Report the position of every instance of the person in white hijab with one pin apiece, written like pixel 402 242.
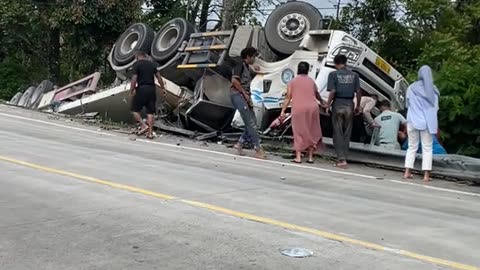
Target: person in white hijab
pixel 422 121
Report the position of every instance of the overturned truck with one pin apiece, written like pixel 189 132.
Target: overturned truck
pixel 197 68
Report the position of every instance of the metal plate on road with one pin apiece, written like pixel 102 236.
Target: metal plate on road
pixel 296 252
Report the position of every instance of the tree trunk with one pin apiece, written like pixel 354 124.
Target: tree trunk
pixel 204 15
pixel 228 18
pixel 194 12
pixel 54 55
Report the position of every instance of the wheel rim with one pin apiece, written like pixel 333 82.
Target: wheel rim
pixel 129 43
pixel 168 38
pixel 293 27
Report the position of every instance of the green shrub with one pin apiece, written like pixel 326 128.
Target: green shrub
pixel 457 67
pixel 14 77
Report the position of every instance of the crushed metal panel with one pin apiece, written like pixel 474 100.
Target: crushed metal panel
pixel 46 100
pixel 111 104
pixel 76 90
pixel 210 116
pixel 259 41
pixel 114 104
pixel 162 126
pixel 215 88
pixel 241 40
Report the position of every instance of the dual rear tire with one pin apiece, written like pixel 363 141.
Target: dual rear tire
pixel 162 46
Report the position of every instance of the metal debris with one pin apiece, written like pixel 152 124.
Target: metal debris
pixel 296 252
pixel 89 115
pixel 160 125
pixel 207 136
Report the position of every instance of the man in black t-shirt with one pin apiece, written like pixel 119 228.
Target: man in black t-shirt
pixel 142 89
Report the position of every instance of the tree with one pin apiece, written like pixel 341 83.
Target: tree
pixel 376 23
pixel 239 12
pixel 22 43
pixel 90 28
pixel 161 11
pixel 455 56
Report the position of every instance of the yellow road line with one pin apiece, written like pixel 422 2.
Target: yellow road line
pixel 89 179
pixel 246 216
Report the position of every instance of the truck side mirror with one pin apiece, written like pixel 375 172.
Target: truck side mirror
pixel 266 85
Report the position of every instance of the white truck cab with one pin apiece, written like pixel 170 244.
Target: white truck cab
pixel 318 48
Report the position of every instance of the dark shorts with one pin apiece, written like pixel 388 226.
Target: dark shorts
pixel 145 97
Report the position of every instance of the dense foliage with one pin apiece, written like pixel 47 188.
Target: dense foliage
pixel 63 40
pixel 51 38
pixel 441 33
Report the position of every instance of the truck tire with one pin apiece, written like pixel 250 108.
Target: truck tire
pixel 15 99
pixel 44 87
pixel 25 99
pixel 137 37
pixel 289 23
pixel 169 39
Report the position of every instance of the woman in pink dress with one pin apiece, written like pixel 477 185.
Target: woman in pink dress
pixel 303 93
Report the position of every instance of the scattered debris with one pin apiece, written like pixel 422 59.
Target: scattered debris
pixel 296 252
pixel 89 115
pixel 207 136
pixel 160 125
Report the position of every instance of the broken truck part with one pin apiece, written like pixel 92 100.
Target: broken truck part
pixel 197 70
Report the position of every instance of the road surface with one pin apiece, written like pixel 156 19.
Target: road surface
pixel 75 197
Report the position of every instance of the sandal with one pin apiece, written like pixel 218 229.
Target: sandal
pixel 341 166
pixel 239 149
pixel 296 161
pixel 142 131
pixel 310 161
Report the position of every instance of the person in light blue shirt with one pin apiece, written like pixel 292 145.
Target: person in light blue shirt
pixel 422 121
pixel 438 149
pixel 390 123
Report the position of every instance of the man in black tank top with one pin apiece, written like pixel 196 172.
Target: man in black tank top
pixel 142 89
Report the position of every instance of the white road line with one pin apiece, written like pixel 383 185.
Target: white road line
pixel 57 125
pixel 257 160
pixel 435 188
pixel 249 158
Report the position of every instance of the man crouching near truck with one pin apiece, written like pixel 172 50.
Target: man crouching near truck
pixel 142 89
pixel 240 95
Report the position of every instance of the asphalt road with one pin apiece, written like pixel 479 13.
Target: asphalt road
pixel 75 197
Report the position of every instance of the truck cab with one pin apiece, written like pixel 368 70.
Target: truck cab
pixel 318 48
